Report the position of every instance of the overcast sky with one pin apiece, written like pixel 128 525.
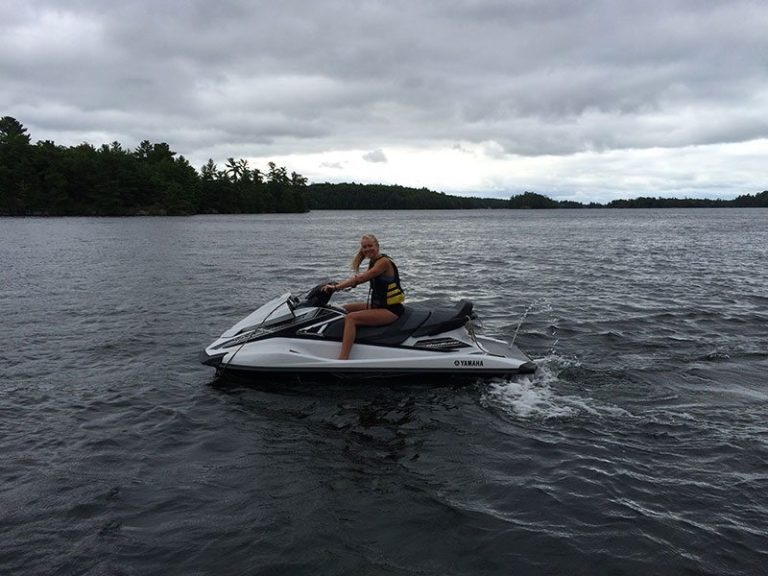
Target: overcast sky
pixel 575 99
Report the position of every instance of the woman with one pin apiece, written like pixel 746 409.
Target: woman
pixel 386 294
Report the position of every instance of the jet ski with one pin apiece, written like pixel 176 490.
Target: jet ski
pixel 300 335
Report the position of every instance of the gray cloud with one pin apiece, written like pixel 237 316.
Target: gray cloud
pixel 523 78
pixel 375 156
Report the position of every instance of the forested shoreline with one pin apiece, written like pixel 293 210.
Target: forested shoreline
pixel 45 179
pixel 353 196
pixel 530 200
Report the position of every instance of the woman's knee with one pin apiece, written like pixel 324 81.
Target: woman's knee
pixel 352 318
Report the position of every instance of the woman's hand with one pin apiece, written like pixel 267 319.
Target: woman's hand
pixel 350 283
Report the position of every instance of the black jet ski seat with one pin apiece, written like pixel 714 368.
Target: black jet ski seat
pixel 444 319
pixel 413 322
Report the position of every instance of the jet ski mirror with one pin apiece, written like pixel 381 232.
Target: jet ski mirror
pixel 293 303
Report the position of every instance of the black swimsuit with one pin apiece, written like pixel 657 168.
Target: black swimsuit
pixel 396 309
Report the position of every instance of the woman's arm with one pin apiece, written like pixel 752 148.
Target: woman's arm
pixel 379 267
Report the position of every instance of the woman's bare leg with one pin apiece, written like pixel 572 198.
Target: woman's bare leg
pixel 372 317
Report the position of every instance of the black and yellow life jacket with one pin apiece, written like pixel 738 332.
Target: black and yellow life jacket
pixel 386 290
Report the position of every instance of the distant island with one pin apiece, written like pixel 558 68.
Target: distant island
pixel 45 179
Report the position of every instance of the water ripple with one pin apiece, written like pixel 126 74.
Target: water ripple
pixel 639 446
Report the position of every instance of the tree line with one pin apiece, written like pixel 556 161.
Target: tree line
pixel 47 179
pixel 353 196
pixel 384 197
pixel 531 200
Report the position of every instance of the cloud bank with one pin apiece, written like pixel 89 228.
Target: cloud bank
pixel 586 100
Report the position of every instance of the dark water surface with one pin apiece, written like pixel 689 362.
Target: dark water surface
pixel 639 447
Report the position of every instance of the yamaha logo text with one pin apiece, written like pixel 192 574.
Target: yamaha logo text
pixel 468 363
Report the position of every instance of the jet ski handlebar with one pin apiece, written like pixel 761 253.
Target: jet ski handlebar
pixel 317 297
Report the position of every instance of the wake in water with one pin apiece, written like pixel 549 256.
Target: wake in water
pixel 537 396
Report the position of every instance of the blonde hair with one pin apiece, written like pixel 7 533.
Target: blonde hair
pixel 359 257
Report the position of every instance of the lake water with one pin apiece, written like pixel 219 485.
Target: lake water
pixel 640 446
